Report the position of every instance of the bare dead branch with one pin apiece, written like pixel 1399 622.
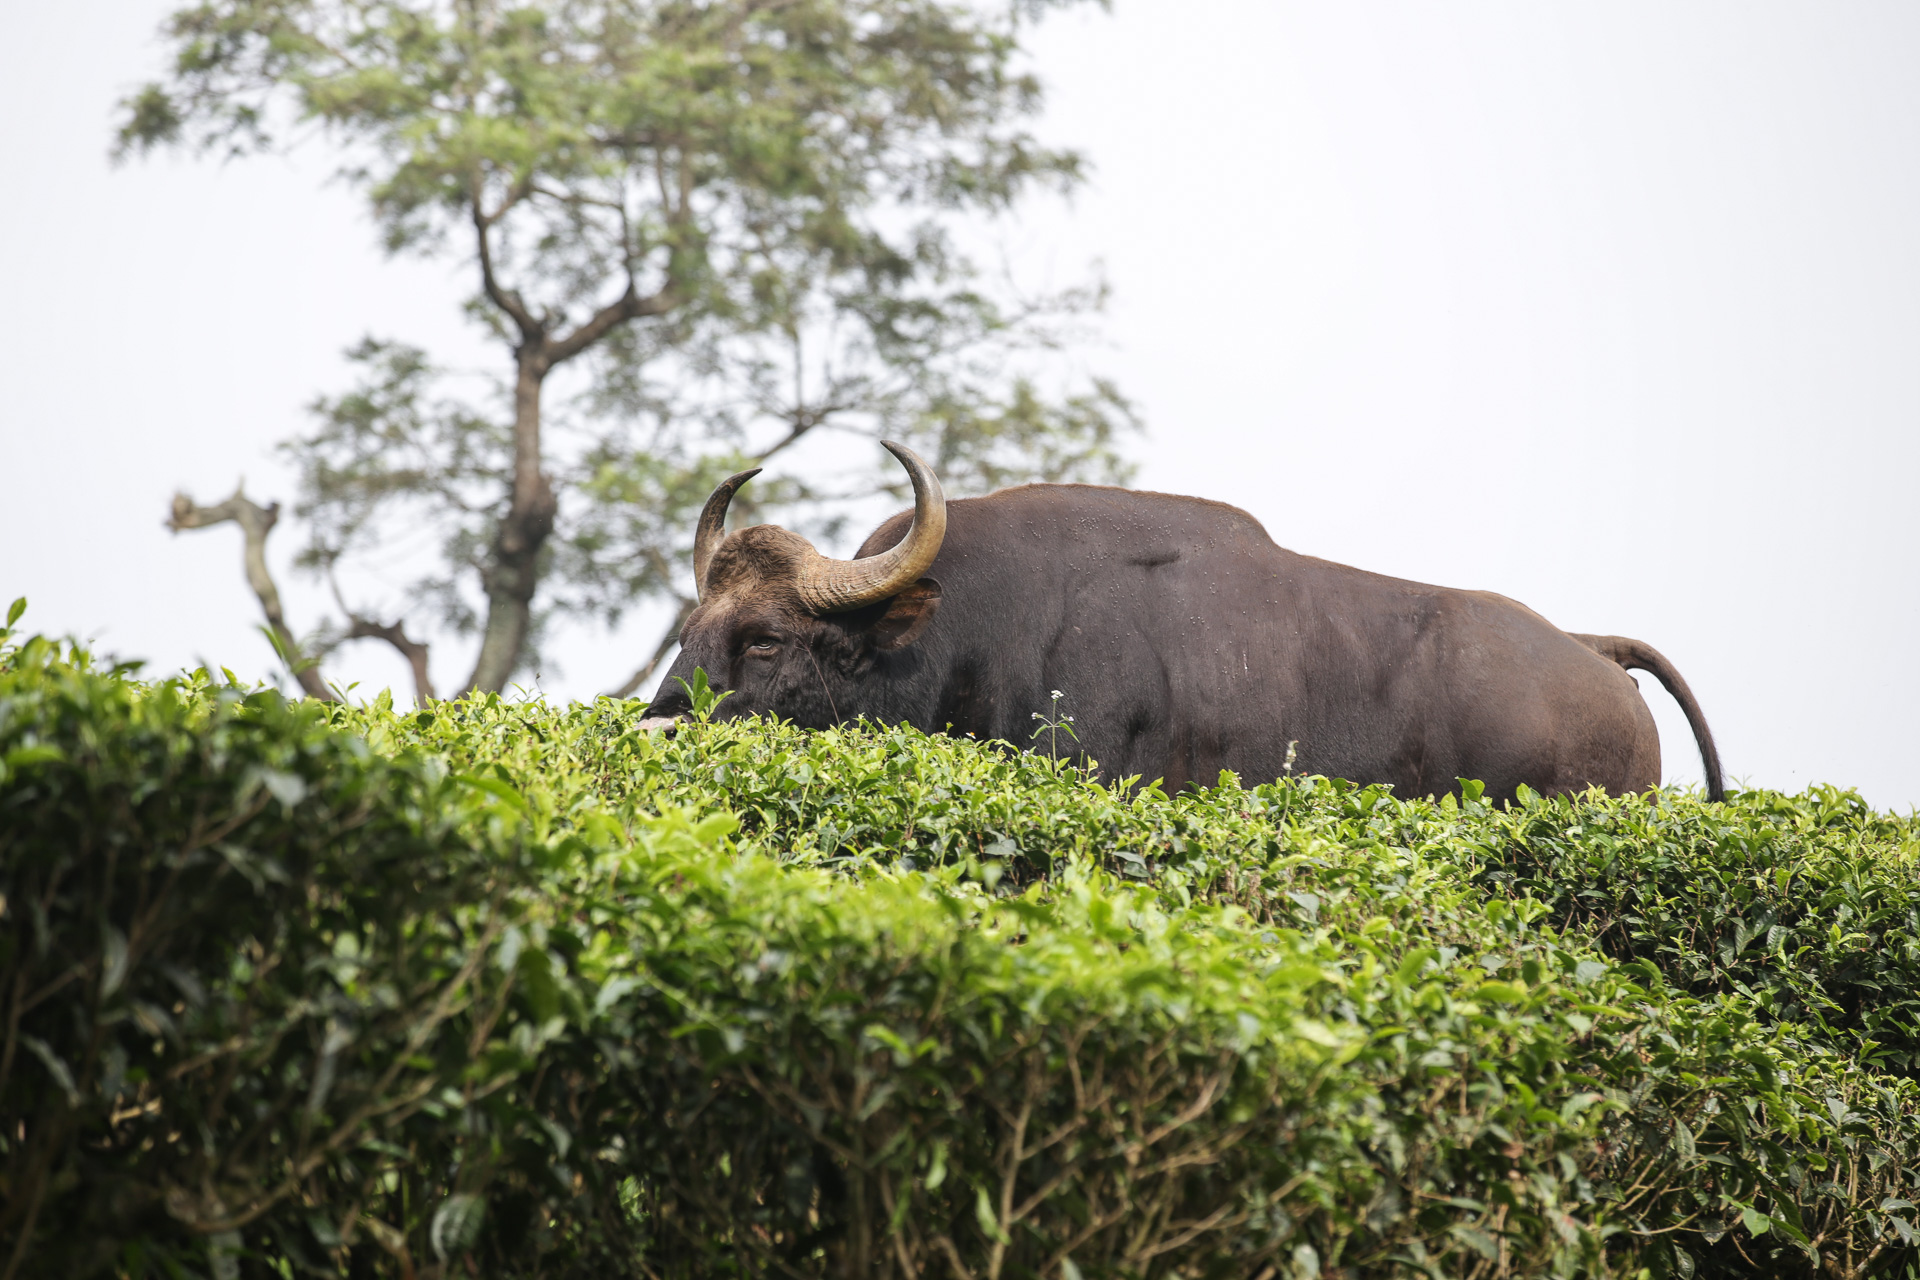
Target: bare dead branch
pixel 414 651
pixel 255 522
pixel 394 633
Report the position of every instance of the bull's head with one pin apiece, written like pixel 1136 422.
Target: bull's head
pixel 786 629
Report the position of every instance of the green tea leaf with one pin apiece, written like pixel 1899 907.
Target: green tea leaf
pixel 456 1224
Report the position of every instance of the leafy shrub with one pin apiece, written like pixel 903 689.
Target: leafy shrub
pixel 244 959
pixel 1807 906
pixel 516 990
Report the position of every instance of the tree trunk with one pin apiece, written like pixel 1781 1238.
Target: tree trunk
pixel 513 569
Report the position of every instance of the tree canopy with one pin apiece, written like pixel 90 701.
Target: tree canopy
pixel 736 226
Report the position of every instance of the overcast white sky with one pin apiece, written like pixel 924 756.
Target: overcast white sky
pixel 1612 308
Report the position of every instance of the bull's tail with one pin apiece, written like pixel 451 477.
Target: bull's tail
pixel 1644 657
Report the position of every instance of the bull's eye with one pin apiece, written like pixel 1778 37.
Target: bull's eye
pixel 762 646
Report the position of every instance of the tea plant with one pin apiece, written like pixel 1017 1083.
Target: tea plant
pixel 504 989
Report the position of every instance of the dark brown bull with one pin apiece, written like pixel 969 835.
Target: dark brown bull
pixel 1185 641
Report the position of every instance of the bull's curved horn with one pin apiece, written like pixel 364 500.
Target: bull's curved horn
pixel 713 527
pixel 833 586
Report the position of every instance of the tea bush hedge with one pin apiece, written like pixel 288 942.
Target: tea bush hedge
pixel 508 989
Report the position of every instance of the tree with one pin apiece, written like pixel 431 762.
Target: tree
pixel 731 223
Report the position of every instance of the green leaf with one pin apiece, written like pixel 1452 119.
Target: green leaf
pixel 536 972
pixel 702 696
pixel 1414 964
pixel 456 1224
pixel 1578 1103
pixel 1478 1240
pixel 114 960
pixel 56 1067
pixel 937 1169
pixel 14 610
pixel 496 788
pixel 41 753
pixel 288 788
pixel 983 1213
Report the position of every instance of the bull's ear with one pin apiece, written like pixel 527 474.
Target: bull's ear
pixel 908 614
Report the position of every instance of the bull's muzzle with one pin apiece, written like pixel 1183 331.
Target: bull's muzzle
pixel 669 723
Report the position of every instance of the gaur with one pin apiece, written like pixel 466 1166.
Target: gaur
pixel 1184 640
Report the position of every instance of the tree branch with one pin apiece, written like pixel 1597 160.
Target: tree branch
pixel 572 198
pixel 628 306
pixel 508 300
pixel 395 634
pixel 255 522
pixel 414 651
pixel 667 641
pixel 800 421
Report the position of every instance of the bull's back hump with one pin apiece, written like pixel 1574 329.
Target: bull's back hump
pixel 1095 525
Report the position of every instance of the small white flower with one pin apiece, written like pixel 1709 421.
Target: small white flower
pixel 1058 694
pixel 1069 720
pixel 1036 715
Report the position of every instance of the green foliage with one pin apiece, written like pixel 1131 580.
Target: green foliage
pixel 702 696
pixel 1807 906
pixel 507 989
pixel 244 962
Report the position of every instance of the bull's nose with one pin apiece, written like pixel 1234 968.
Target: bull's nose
pixel 670 723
